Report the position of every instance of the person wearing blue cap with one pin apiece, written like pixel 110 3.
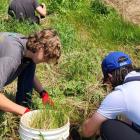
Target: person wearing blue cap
pixel 118 71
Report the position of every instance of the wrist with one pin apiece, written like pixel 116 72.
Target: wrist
pixel 43 93
pixel 26 110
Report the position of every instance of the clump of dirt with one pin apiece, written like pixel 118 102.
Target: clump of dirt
pixel 129 9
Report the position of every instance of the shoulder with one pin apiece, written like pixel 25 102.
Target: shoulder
pixel 11 34
pixel 12 45
pixel 114 97
pixel 113 105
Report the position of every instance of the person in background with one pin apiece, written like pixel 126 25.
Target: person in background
pixel 124 99
pixel 18 58
pixel 25 10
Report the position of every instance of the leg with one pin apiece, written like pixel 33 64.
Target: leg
pixel 117 130
pixel 25 85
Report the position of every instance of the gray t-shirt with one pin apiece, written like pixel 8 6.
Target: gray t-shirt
pixel 12 49
pixel 23 9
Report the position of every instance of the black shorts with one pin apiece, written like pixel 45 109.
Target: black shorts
pixel 118 130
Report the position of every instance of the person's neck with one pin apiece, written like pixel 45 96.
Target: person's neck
pixel 28 54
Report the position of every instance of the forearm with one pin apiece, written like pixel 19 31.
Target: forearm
pixel 9 106
pixel 87 129
pixel 92 125
pixel 37 85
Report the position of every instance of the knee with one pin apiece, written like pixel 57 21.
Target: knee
pixel 106 124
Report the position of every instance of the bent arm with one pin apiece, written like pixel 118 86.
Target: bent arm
pixel 9 106
pixel 110 107
pixel 41 10
pixel 92 125
pixel 6 65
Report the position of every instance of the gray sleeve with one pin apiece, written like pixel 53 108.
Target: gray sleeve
pixel 6 69
pixel 113 105
pixel 35 4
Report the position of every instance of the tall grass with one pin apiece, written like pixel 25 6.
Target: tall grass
pixel 113 28
pixel 88 31
pixel 48 119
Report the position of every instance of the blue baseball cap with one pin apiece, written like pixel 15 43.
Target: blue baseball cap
pixel 115 60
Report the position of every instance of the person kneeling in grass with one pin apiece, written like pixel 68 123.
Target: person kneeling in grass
pixel 25 10
pixel 124 99
pixel 18 58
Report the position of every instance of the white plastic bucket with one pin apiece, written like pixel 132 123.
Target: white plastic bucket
pixel 27 133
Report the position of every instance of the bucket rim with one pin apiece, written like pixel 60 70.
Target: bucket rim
pixel 44 130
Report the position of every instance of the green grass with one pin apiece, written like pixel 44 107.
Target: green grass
pixel 88 31
pixel 48 118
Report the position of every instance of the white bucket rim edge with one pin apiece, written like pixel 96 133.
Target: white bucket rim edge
pixel 35 129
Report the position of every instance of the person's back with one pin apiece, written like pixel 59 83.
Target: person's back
pixel 132 97
pixel 12 48
pixel 24 9
pixel 124 100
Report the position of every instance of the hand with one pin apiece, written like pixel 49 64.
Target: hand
pixel 74 133
pixel 43 5
pixel 46 98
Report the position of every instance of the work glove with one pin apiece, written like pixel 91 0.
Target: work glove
pixel 74 132
pixel 46 98
pixel 27 110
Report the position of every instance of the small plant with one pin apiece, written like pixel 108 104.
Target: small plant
pixel 74 88
pixel 99 7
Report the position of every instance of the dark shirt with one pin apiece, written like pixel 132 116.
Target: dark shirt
pixel 24 9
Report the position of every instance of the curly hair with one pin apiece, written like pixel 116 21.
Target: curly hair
pixel 48 40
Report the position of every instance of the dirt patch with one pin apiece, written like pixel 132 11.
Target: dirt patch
pixel 129 9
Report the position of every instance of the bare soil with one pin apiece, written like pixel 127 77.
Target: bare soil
pixel 129 9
